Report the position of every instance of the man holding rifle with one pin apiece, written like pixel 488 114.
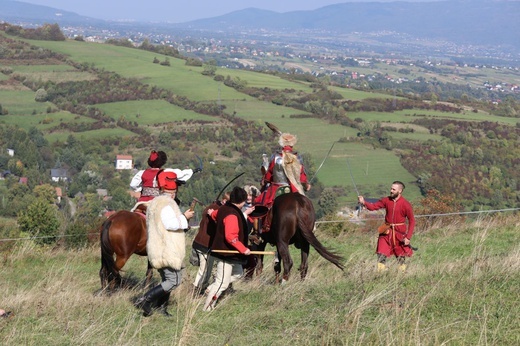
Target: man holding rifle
pixel 394 235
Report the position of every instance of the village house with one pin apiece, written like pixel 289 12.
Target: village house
pixel 124 162
pixel 59 174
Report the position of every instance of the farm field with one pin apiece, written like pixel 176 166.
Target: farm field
pixel 93 134
pixel 373 169
pixel 460 287
pixel 54 73
pixel 150 112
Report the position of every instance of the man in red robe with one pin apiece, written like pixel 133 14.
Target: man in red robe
pixel 395 235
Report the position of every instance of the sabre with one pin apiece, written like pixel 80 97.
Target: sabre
pixel 355 187
pixel 224 188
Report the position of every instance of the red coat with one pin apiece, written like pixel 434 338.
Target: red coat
pixel 268 195
pixel 398 212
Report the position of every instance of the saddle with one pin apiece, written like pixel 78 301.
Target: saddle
pixel 140 208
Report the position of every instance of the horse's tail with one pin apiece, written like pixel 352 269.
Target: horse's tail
pixel 306 224
pixel 108 271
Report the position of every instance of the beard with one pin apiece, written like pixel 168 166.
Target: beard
pixel 393 195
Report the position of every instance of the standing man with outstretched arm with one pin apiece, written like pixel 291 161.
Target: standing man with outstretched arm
pixel 394 235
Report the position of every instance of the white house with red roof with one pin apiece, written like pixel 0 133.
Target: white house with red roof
pixel 124 162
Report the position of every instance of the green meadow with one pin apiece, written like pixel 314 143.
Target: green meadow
pixel 21 102
pixel 53 73
pixel 150 112
pixel 370 167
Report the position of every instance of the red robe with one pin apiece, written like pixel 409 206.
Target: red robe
pixel 268 195
pixel 397 213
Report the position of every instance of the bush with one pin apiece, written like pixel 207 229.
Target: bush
pixel 41 95
pixel 8 230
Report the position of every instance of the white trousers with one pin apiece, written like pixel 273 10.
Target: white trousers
pixel 204 272
pixel 225 274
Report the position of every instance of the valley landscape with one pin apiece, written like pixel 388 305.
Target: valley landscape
pixel 365 113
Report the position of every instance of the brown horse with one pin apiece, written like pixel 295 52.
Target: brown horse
pixel 122 234
pixel 292 222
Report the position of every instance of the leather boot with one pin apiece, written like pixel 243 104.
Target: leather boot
pixel 381 267
pixel 150 300
pixel 163 303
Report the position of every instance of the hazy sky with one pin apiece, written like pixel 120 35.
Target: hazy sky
pixel 179 11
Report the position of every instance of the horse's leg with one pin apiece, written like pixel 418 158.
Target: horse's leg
pixel 305 256
pixel 283 251
pixel 120 263
pixel 277 267
pixel 260 258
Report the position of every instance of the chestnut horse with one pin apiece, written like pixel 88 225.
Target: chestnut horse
pixel 292 222
pixel 122 234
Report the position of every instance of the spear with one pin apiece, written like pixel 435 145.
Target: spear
pixel 252 252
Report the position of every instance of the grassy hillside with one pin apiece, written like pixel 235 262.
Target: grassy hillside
pixel 461 288
pixel 373 168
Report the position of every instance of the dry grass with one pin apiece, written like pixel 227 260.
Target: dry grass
pixel 461 288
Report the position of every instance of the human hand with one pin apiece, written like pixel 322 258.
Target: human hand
pixel 406 241
pixel 189 214
pixel 248 252
pixel 249 210
pixel 210 211
pixel 308 187
pixel 361 200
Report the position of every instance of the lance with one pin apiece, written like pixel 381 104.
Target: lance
pixel 322 162
pixel 252 252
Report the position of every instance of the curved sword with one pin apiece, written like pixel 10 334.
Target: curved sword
pixel 224 188
pixel 322 162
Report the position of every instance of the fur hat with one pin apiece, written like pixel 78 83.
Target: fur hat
pixel 157 159
pixel 167 180
pixel 252 190
pixel 286 139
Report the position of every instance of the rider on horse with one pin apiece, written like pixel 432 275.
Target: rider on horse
pixel 285 171
pixel 145 181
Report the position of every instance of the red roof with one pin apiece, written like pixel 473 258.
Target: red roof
pixel 123 157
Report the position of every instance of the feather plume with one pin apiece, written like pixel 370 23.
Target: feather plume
pixel 273 128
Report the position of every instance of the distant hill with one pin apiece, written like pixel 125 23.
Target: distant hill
pixel 15 11
pixel 469 22
pixel 479 22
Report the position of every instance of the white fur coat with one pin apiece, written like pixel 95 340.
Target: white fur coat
pixel 165 248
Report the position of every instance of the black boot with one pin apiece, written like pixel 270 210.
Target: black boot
pixel 162 304
pixel 149 301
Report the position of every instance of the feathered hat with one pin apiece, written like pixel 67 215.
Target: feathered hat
pixel 286 139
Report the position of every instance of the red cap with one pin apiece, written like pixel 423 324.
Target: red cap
pixel 153 155
pixel 167 180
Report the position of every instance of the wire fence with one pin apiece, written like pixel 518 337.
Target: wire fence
pixel 358 220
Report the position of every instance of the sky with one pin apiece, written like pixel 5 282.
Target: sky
pixel 179 11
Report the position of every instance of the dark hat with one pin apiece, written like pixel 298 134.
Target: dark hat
pixel 157 159
pixel 260 211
